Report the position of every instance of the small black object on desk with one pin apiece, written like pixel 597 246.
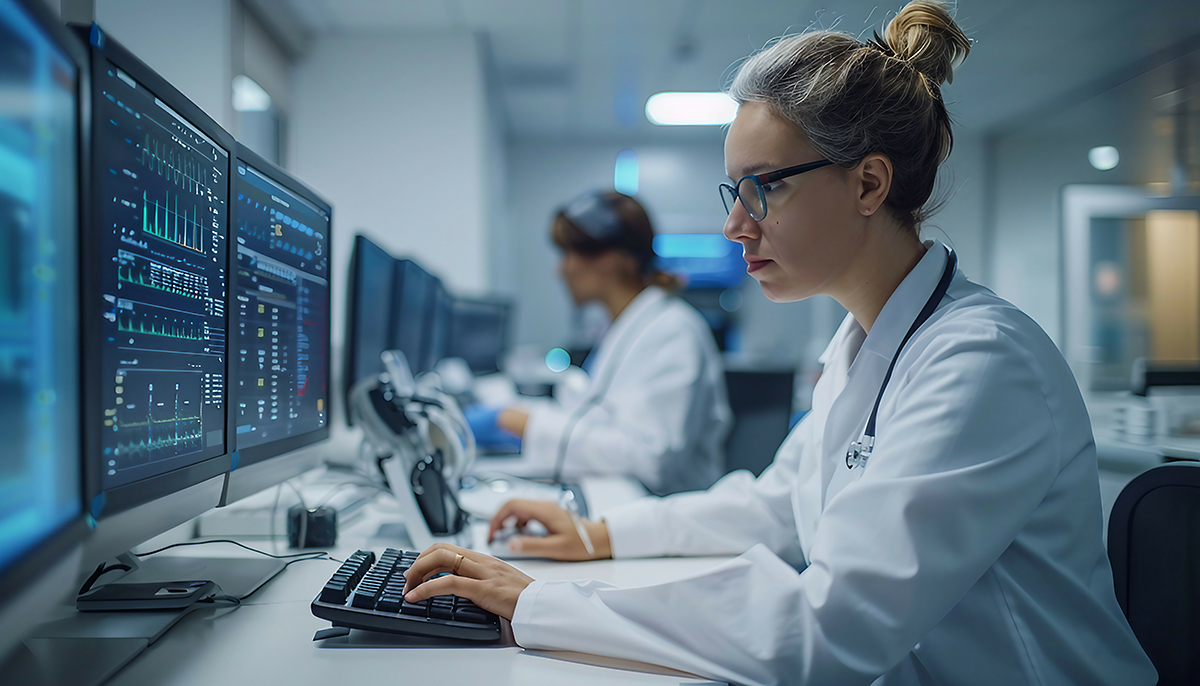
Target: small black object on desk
pixel 315 528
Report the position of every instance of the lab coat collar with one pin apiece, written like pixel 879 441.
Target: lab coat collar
pixel 906 302
pixel 640 303
pixel 620 326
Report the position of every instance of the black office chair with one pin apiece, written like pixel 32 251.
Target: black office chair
pixel 1154 547
pixel 762 408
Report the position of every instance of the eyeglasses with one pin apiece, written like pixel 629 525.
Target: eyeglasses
pixel 750 190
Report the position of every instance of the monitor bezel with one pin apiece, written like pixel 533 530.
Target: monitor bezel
pixel 350 353
pixel 33 565
pixel 102 49
pixel 245 457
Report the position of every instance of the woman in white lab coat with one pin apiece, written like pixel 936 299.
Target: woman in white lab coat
pixel 655 406
pixel 936 518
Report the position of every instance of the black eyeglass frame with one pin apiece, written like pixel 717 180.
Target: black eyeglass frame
pixel 760 179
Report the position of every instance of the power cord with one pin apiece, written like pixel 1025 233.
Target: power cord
pixel 312 554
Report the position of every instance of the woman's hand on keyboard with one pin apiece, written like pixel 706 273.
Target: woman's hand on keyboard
pixel 482 579
pixel 562 540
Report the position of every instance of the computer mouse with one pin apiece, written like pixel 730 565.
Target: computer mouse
pixel 498 547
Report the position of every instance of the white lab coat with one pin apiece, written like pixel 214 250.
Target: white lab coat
pixel 664 416
pixel 967 551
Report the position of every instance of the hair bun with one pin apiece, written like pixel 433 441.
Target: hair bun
pixel 925 35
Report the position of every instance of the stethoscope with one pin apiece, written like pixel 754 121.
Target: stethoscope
pixel 860 450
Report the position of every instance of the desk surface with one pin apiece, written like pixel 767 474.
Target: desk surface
pixel 268 640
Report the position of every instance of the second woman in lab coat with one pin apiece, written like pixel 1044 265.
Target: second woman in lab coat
pixel 963 544
pixel 655 406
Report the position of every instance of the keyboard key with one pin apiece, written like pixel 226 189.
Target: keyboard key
pixel 389 603
pixel 441 612
pixel 363 600
pixel 334 592
pixel 471 616
pixel 417 609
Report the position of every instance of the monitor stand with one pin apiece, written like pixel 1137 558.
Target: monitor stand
pixel 86 648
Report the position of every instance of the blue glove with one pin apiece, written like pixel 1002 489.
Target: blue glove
pixel 488 434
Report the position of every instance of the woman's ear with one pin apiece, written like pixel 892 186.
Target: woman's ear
pixel 874 182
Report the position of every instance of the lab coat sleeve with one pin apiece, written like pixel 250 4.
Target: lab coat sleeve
pixel 738 512
pixel 966 455
pixel 636 423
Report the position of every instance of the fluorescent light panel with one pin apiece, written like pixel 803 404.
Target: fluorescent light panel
pixel 691 109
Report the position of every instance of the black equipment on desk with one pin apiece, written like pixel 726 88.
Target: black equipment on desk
pixel 366 593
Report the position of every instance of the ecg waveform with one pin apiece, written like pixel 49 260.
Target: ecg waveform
pixel 155 418
pixel 170 224
pixel 165 323
pixel 172 162
pixel 144 271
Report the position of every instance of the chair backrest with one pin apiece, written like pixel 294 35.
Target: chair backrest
pixel 762 408
pixel 1154 548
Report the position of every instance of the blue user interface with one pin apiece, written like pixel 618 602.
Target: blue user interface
pixel 163 187
pixel 40 487
pixel 282 281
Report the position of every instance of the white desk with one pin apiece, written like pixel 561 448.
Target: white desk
pixel 268 640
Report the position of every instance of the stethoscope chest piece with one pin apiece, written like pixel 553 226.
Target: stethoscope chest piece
pixel 860 452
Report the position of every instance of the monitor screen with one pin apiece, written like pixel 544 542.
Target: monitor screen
pixel 368 325
pixel 282 296
pixel 162 218
pixel 40 481
pixel 438 324
pixel 412 299
pixel 478 333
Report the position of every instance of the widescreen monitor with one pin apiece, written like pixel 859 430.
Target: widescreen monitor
pixel 157 299
pixel 281 338
pixel 368 313
pixel 412 303
pixel 42 79
pixel 437 325
pixel 479 333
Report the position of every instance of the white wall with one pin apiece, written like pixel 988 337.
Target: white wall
pixel 187 43
pixel 960 222
pixel 392 130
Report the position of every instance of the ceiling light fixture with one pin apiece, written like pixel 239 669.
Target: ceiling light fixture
pixel 248 96
pixel 1104 157
pixel 690 109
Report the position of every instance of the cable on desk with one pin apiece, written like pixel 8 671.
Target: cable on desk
pixel 339 487
pixel 311 555
pixel 101 570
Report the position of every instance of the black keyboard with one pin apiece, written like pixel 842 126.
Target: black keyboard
pixel 368 593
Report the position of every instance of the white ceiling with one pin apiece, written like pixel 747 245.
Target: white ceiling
pixel 583 69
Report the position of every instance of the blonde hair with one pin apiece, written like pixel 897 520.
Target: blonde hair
pixel 854 98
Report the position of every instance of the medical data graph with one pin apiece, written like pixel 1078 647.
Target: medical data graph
pixel 282 292
pixel 164 216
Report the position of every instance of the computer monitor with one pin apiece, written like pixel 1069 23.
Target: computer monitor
pixel 42 78
pixel 281 331
pixel 368 312
pixel 412 300
pixel 438 324
pixel 156 304
pixel 479 333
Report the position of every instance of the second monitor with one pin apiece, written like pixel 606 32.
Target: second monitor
pixel 281 339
